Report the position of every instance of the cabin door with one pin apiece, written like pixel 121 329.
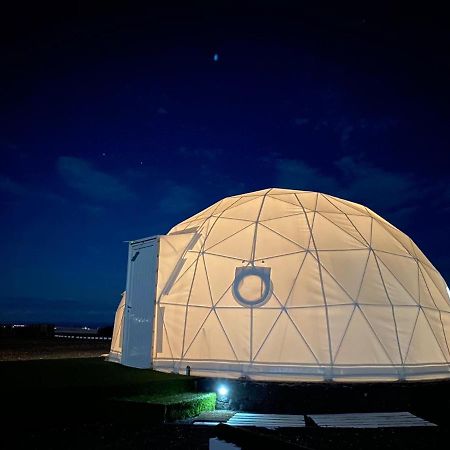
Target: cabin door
pixel 140 303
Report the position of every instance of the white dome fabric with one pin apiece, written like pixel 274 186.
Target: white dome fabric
pixel 117 336
pixel 295 285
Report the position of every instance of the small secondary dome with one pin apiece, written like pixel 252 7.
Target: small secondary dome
pixel 294 285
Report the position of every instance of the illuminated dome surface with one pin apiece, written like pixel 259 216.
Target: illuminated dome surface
pixel 294 285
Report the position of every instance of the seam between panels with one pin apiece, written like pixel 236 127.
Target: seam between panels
pixel 345 332
pixel 348 218
pixel 321 214
pixel 295 279
pixel 252 256
pixel 412 334
pixel 285 310
pixel 334 279
pixel 384 227
pixel 214 309
pixel 375 334
pixel 267 335
pixel 439 311
pixel 229 237
pixel 279 234
pixel 322 286
pixel 363 276
pixel 168 342
pixel 252 260
pixel 396 279
pixel 193 278
pixel 209 313
pixel 392 310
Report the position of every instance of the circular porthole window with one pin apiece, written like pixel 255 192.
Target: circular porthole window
pixel 252 285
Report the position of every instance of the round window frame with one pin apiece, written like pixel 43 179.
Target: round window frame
pixel 261 272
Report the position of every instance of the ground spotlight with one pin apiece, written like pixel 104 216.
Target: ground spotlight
pixel 223 391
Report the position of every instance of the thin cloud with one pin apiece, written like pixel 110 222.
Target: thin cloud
pixel 387 191
pixel 13 188
pixel 9 186
pixel 81 176
pixel 178 199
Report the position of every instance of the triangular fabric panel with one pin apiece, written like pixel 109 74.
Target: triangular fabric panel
pixel 372 289
pixel 398 295
pixel 248 209
pixel 328 236
pixel 343 222
pixel 434 318
pixel 199 294
pixel 271 244
pixel 210 343
pixel 364 226
pixel 424 348
pixel 274 209
pixel 294 228
pixel 406 318
pixel 326 206
pixel 227 203
pixel 360 345
pixel 237 329
pixel 312 324
pixel 307 288
pixel 263 321
pixel 288 198
pixel 404 269
pixel 178 291
pixel 339 319
pixel 382 239
pixel 436 286
pixel 238 246
pixel 223 229
pixel 173 331
pixel 347 207
pixel 346 267
pixel 383 323
pixel 308 200
pixel 220 272
pixel 285 344
pixel 335 293
pixel 284 270
pixel 430 296
pixel 195 317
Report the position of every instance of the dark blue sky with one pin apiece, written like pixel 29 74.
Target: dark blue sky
pixel 117 124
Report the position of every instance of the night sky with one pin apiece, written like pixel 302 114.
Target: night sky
pixel 116 124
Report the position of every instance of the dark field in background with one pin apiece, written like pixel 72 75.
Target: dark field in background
pixel 13 349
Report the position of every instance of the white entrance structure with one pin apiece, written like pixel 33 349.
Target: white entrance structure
pixel 284 285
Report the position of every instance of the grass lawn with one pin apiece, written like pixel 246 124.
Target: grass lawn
pixel 177 406
pixel 86 389
pixel 72 403
pixel 76 373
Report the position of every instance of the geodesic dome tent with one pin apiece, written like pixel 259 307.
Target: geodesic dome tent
pixel 294 285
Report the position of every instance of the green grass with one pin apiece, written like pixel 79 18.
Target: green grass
pixel 177 406
pixel 86 389
pixel 87 374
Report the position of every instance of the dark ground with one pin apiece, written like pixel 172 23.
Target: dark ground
pixel 14 349
pixel 68 403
